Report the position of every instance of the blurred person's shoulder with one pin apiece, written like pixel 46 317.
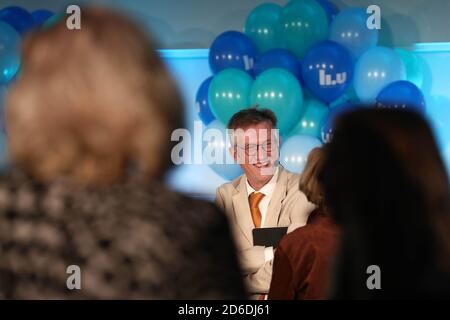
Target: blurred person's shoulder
pixel 319 234
pixel 154 201
pixel 129 237
pixel 146 201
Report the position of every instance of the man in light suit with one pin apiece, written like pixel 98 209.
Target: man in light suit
pixel 266 195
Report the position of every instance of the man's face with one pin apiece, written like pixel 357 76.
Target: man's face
pixel 256 150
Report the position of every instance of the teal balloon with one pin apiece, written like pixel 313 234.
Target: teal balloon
pixel 376 68
pixel 311 122
pixel 4 158
pixel 2 96
pixel 261 26
pixel 348 96
pixel 302 24
pixel 54 19
pixel 413 65
pixel 295 150
pixel 9 53
pixel 229 93
pixel 278 90
pixel 216 153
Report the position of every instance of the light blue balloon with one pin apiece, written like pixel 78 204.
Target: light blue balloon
pixel 225 166
pixel 413 66
pixel 375 69
pixel 312 120
pixel 261 26
pixel 302 24
pixel 294 152
pixel 438 113
pixel 445 153
pixel 349 28
pixel 229 93
pixel 279 90
pixel 9 53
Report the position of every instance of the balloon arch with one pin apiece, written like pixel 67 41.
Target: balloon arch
pixel 308 63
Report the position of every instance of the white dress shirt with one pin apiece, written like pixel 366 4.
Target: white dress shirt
pixel 267 190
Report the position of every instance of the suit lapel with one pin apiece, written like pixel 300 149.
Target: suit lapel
pixel 274 209
pixel 242 210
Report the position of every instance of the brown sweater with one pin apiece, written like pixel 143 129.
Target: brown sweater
pixel 303 259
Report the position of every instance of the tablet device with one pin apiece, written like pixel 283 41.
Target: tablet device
pixel 268 237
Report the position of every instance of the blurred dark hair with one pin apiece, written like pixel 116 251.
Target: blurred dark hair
pixel 251 116
pixel 387 187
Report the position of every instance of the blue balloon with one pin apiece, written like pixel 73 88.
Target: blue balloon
pixel 232 49
pixel 294 152
pixel 40 16
pixel 216 151
pixel 9 53
pixel 202 102
pixel 328 125
pixel 327 70
pixel 330 9
pixel 401 95
pixel 278 58
pixel 375 69
pixel 19 18
pixel 349 28
pixel 300 76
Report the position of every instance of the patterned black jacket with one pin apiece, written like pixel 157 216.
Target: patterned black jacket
pixel 130 241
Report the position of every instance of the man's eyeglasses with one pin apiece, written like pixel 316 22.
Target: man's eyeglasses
pixel 252 149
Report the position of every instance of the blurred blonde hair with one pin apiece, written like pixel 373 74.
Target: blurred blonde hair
pixel 90 104
pixel 309 182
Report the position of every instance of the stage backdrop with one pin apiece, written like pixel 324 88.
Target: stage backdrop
pixel 190 68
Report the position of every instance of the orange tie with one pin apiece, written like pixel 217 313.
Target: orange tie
pixel 254 199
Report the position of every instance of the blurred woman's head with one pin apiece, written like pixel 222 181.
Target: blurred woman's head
pixel 386 185
pixel 90 104
pixel 309 183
